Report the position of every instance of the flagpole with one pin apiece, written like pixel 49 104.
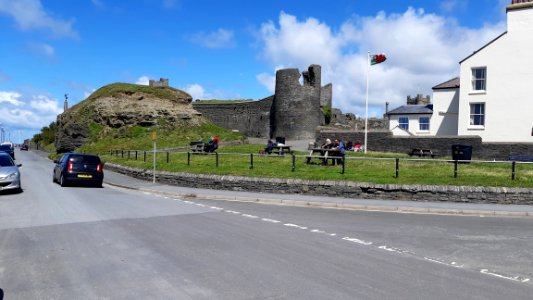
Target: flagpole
pixel 366 99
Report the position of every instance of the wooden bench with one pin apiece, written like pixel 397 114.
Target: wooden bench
pixel 421 152
pixel 323 155
pixel 281 150
pixel 197 147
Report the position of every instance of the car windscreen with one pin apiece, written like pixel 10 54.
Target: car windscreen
pixel 79 159
pixel 6 161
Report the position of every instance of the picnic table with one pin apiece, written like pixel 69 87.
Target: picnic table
pixel 421 152
pixel 281 149
pixel 324 155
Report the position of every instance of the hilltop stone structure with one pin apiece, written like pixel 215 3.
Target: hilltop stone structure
pixel 293 112
pixel 163 82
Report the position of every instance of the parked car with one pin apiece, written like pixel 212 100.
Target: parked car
pixel 24 147
pixel 78 168
pixel 9 173
pixel 9 149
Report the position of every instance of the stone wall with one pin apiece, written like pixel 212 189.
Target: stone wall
pixel 250 118
pixel 384 141
pixel 344 189
pixel 293 112
pixel 296 107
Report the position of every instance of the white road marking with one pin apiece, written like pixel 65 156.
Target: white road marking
pixel 233 212
pixel 452 264
pixel 187 201
pixel 217 208
pixel 250 216
pixel 146 193
pixel 514 278
pixel 317 231
pixel 358 241
pixel 270 220
pixel 295 226
pixel 200 204
pixel 392 249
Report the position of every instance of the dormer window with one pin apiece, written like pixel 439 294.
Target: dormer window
pixel 479 79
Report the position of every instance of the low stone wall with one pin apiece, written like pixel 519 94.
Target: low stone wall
pixel 346 189
pixel 384 141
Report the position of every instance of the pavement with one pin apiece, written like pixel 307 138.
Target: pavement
pixel 398 206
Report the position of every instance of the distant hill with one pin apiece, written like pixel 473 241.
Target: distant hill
pixel 122 106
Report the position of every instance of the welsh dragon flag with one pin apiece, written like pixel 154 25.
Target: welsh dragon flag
pixel 377 58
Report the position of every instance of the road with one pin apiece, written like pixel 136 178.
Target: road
pixel 114 243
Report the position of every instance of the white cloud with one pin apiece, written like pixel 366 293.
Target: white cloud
pixel 45 105
pixel 30 14
pixel 196 91
pixel 449 6
pixel 268 81
pixel 42 49
pixel 221 38
pixel 10 98
pixel 143 80
pixel 423 50
pixel 32 114
pixel 98 3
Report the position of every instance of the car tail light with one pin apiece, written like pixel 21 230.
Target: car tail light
pixel 70 166
pixel 99 168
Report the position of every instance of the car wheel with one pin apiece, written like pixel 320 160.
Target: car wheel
pixel 54 178
pixel 99 184
pixel 62 181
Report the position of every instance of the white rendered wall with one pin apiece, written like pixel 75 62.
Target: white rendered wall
pixel 414 125
pixel 445 112
pixel 509 87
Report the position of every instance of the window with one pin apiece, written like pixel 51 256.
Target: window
pixel 403 123
pixel 479 79
pixel 423 123
pixel 477 114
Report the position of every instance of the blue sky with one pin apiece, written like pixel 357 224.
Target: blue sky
pixel 230 49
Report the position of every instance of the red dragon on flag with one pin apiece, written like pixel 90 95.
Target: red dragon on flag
pixel 377 58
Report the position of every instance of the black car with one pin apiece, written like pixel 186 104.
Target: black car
pixel 24 147
pixel 9 149
pixel 78 168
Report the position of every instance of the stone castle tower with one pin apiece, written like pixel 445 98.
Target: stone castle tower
pixel 297 108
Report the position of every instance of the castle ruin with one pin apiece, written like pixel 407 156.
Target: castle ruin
pixel 293 112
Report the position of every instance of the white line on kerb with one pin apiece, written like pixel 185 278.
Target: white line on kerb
pixel 358 241
pixel 514 278
pixel 295 226
pixel 452 264
pixel 270 220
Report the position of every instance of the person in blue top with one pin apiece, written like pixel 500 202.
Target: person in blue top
pixel 339 145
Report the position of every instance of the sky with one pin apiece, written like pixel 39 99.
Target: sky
pixel 231 49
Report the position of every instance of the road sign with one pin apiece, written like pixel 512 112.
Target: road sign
pixel 154 136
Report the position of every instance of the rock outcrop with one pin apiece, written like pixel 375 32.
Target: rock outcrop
pixel 121 105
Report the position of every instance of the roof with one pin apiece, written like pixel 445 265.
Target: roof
pixel 450 84
pixel 412 110
pixel 486 45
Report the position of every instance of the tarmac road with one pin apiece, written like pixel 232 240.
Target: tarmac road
pixel 118 243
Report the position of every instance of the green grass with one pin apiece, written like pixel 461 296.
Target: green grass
pixel 235 160
pixel 116 88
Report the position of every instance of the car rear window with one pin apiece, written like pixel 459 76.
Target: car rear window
pixel 6 161
pixel 5 147
pixel 78 159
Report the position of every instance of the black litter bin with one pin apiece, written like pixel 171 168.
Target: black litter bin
pixel 461 152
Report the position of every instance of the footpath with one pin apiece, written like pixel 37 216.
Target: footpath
pixel 471 209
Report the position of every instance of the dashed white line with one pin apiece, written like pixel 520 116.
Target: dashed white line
pixel 233 212
pixel 295 226
pixel 187 201
pixel 270 220
pixel 358 241
pixel 392 249
pixel 217 208
pixel 514 278
pixel 452 264
pixel 250 216
pixel 317 231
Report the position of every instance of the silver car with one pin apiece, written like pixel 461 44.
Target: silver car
pixel 9 173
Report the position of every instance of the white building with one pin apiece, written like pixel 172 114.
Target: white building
pixel 490 99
